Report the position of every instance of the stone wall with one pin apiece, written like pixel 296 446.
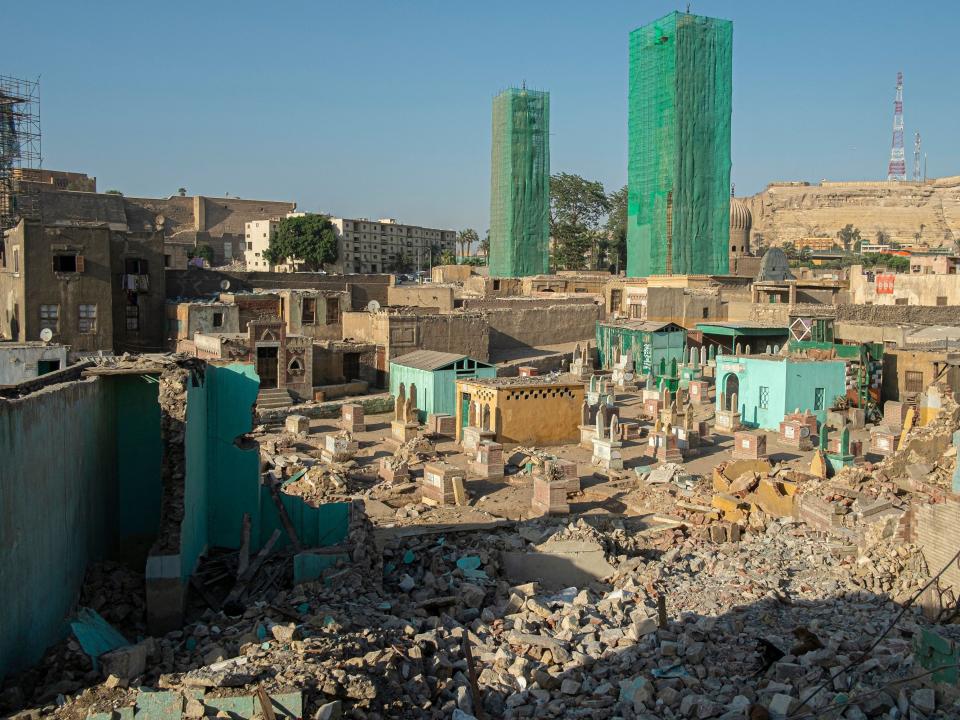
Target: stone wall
pixel 540 326
pixel 202 283
pixel 937 532
pixel 785 214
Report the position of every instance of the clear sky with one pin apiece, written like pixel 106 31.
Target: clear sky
pixel 383 108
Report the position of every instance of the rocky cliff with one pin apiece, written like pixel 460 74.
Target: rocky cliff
pixel 926 213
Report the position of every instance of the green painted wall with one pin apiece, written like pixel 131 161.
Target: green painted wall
pixel 649 347
pixel 139 454
pixel 194 528
pixel 233 474
pixel 789 385
pixel 437 389
pixel 57 506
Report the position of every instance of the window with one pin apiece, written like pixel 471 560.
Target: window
pixel 900 301
pixel 167 260
pixel 333 311
pixel 16 260
pixel 913 381
pixel 706 313
pixel 941 300
pixel 65 263
pixel 218 319
pixel 135 266
pixel 818 398
pixel 50 317
pixel 133 316
pixel 88 318
pixel 496 284
pixel 249 246
pixel 309 314
pixel 764 399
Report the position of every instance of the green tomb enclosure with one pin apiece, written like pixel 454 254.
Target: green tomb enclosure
pixel 678 173
pixel 520 184
pixel 435 375
pixel 651 343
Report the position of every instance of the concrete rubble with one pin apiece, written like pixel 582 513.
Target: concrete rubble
pixel 756 624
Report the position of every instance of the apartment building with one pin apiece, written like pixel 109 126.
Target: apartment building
pixel 384 245
pixel 258 234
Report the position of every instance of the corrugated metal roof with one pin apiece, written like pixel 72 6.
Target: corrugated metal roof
pixel 641 325
pixel 428 359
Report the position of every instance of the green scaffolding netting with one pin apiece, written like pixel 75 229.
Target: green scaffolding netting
pixel 679 146
pixel 520 184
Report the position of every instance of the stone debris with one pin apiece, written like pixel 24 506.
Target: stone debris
pixel 681 629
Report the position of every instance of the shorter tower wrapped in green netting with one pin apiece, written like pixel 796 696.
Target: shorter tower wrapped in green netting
pixel 678 173
pixel 520 184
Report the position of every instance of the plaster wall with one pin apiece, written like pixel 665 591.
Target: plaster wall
pixel 19 362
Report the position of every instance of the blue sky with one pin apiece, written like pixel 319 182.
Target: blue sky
pixel 383 108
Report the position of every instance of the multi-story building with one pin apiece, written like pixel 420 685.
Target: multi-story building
pixel 520 184
pixel 60 179
pixel 384 245
pixel 678 170
pixel 258 234
pixel 78 270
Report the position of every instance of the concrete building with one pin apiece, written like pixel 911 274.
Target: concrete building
pixel 80 270
pixel 868 288
pixel 25 361
pixel 933 263
pixel 679 146
pixel 520 184
pixel 768 387
pixel 257 237
pixel 58 179
pixel 189 222
pixel 384 245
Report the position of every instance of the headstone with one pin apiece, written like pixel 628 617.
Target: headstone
pixel 437 485
pixel 352 418
pixel 297 424
pixel 487 461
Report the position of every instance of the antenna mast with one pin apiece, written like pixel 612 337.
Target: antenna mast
pixel 916 157
pixel 897 170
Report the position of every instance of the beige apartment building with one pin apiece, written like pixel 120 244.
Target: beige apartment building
pixel 367 246
pixel 258 234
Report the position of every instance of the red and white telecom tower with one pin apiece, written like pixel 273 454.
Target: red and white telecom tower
pixel 897 170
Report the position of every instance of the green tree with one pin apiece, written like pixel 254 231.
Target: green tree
pixel 205 252
pixel 849 238
pixel 577 208
pixel 113 192
pixel 182 192
pixel 617 228
pixel 309 240
pixel 790 250
pixel 474 260
pixel 447 257
pixel 485 244
pixel 466 238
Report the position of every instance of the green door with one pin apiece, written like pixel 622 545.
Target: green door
pixel 464 409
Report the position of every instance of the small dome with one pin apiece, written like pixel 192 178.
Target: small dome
pixel 740 217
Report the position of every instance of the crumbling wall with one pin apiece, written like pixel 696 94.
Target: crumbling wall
pixel 56 509
pixel 937 532
pixel 539 326
pixel 897 314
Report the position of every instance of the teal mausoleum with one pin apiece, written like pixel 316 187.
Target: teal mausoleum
pixel 435 375
pixel 768 387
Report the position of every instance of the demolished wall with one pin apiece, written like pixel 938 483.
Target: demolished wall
pixel 56 507
pixel 540 326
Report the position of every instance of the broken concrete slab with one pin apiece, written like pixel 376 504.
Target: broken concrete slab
pixel 558 565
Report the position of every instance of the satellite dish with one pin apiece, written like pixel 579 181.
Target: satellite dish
pixel 224 284
pixel 373 306
pixel 46 335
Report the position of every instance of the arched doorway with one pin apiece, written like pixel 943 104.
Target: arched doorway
pixel 731 385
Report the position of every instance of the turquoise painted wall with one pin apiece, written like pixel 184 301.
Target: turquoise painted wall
pixel 649 348
pixel 233 474
pixel 789 385
pixel 193 529
pixel 436 389
pixel 57 505
pixel 139 454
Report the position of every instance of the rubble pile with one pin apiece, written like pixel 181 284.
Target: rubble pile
pixel 694 630
pixel 328 482
pixel 413 452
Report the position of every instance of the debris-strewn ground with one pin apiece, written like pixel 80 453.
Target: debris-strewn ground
pixel 760 622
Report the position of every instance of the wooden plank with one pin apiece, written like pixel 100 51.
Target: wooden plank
pixel 285 519
pixel 459 492
pixel 243 562
pixel 237 592
pixel 265 704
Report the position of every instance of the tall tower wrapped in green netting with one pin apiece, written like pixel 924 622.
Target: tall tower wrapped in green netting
pixel 679 146
pixel 520 184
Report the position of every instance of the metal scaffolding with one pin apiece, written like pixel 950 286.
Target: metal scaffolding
pixel 19 145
